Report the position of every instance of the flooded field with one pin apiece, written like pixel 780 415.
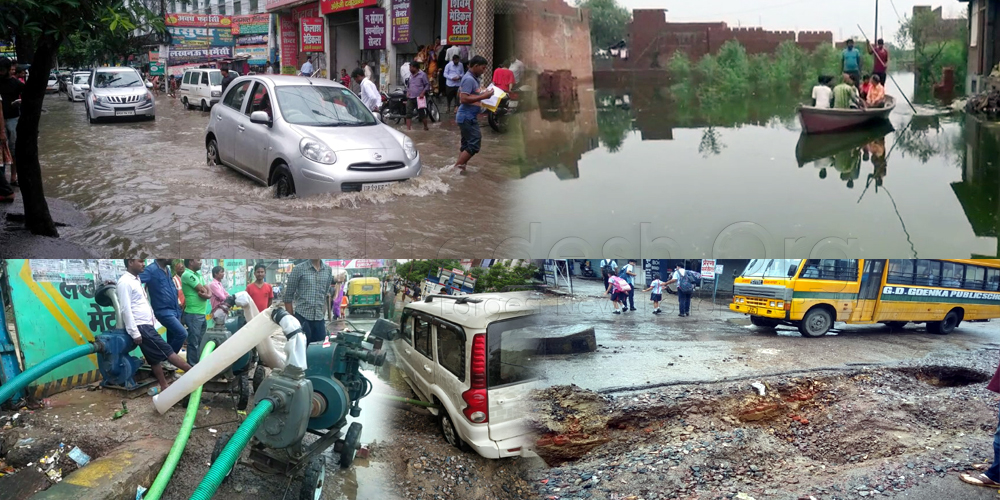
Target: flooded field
pixel 632 170
pixel 146 188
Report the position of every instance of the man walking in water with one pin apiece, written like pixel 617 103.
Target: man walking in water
pixel 470 94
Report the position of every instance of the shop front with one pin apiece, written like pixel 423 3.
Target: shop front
pixel 300 34
pixel 252 37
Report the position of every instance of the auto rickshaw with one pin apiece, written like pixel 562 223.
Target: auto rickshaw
pixel 364 294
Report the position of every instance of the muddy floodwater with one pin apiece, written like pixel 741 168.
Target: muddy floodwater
pixel 633 170
pixel 146 188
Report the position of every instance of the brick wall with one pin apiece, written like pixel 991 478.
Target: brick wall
pixel 653 40
pixel 552 36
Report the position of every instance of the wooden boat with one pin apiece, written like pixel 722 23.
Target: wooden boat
pixel 822 121
pixel 814 147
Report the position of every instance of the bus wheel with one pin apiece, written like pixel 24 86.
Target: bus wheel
pixel 895 325
pixel 763 322
pixel 950 323
pixel 816 323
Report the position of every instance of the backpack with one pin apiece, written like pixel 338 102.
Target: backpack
pixel 622 272
pixel 620 284
pixel 606 268
pixel 689 281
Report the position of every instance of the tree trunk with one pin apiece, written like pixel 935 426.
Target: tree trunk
pixel 37 218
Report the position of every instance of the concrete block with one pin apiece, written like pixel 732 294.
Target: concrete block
pixel 566 341
pixel 114 475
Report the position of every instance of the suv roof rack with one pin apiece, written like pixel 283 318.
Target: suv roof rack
pixel 458 300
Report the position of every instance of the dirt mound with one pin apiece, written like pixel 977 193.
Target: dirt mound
pixel 567 422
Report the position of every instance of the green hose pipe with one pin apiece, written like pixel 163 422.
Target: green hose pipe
pixel 231 453
pixel 409 401
pixel 160 483
pixel 31 374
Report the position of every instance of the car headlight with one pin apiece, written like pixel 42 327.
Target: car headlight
pixel 216 93
pixel 98 99
pixel 317 151
pixel 409 148
pixel 149 97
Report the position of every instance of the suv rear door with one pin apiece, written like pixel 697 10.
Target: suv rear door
pixel 422 357
pixel 450 347
pixel 510 375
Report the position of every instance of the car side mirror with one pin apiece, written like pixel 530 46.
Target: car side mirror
pixel 85 87
pixel 791 270
pixel 260 117
pixel 149 85
pixel 378 117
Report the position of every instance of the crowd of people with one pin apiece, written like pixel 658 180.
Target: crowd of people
pixel 619 284
pixel 855 91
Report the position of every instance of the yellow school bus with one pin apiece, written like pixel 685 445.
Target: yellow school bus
pixel 812 294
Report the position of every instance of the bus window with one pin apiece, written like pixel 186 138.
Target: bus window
pixel 900 272
pixel 951 274
pixel 928 273
pixel 833 269
pixel 992 279
pixel 975 277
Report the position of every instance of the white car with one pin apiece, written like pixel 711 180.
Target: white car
pixel 473 356
pixel 53 85
pixel 201 87
pixel 116 93
pixel 78 86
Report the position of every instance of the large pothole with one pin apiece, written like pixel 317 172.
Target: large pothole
pixel 948 376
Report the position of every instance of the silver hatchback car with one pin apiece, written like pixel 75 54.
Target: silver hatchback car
pixel 306 136
pixel 118 93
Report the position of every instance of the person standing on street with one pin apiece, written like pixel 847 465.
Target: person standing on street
pixel 6 191
pixel 503 77
pixel 609 268
pixel 517 67
pixel 850 62
pixel 260 291
pixel 10 93
pixel 657 287
pixel 307 67
pixel 218 295
pixel 137 317
pixel 881 55
pixel 470 95
pixel 388 300
pixel 416 96
pixel 227 77
pixel 307 296
pixel 196 297
pixel 685 288
pixel 990 477
pixel 453 72
pixel 627 273
pixel 159 281
pixel 370 95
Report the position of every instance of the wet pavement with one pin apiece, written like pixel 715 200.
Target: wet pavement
pixel 640 349
pixel 633 164
pixel 146 189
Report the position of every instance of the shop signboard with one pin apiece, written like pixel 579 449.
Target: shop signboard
pixel 458 26
pixel 708 269
pixel 401 12
pixel 372 28
pixel 311 34
pixel 193 38
pixel 257 53
pixel 331 6
pixel 252 39
pixel 155 69
pixel 198 20
pixel 253 24
pixel 181 55
pixel 289 41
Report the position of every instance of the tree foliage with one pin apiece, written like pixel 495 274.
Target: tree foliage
pixel 416 271
pixel 501 277
pixel 608 22
pixel 935 47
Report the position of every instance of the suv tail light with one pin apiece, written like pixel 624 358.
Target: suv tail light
pixel 477 409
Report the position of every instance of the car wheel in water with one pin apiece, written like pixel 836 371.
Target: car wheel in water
pixel 212 153
pixel 449 432
pixel 204 105
pixel 284 185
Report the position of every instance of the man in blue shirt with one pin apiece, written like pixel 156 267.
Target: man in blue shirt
pixel 159 281
pixel 416 88
pixel 850 62
pixel 469 96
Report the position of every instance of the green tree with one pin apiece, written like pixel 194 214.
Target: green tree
pixel 416 271
pixel 934 48
pixel 608 22
pixel 39 28
pixel 502 277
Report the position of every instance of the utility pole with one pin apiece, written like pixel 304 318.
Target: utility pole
pixel 164 50
pixel 876 21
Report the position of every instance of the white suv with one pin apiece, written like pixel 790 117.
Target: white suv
pixel 472 355
pixel 201 88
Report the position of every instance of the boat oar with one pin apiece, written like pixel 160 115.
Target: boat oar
pixel 887 73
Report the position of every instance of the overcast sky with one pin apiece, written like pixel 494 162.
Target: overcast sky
pixel 838 16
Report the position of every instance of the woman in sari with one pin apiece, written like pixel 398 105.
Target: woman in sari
pixel 432 70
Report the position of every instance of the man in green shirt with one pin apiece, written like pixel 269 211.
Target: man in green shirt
pixel 846 94
pixel 196 296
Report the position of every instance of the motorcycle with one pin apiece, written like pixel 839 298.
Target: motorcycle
pixel 507 106
pixel 394 107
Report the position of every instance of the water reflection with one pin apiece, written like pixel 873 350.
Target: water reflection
pixel 756 184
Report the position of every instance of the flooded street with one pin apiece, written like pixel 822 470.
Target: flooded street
pixel 146 189
pixel 634 164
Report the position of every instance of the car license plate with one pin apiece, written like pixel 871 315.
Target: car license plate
pixel 512 105
pixel 125 113
pixel 751 310
pixel 376 186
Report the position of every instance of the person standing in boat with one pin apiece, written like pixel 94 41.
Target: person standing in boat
pixel 881 59
pixel 850 62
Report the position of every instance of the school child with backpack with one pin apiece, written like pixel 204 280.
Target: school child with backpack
pixel 627 273
pixel 657 287
pixel 686 281
pixel 609 268
pixel 618 288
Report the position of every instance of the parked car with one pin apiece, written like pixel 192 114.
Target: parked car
pixel 53 84
pixel 306 137
pixel 201 87
pixel 472 355
pixel 118 93
pixel 78 86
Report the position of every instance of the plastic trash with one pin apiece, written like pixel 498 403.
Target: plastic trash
pixel 759 386
pixel 79 456
pixel 153 390
pixel 24 443
pixel 139 492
